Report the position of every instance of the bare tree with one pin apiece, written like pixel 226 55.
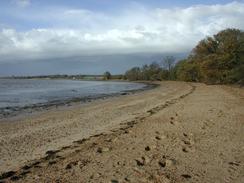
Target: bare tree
pixel 168 62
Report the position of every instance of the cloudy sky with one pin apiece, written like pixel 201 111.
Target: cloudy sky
pixel 92 36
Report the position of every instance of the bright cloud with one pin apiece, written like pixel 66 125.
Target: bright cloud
pixel 77 32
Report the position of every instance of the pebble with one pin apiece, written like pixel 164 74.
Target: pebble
pixel 186 176
pixel 114 181
pixel 102 149
pixel 143 161
pixel 158 138
pixel 147 148
pixel 185 149
pixel 162 163
pixel 127 179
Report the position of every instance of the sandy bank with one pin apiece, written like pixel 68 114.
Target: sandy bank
pixel 30 138
pixel 175 133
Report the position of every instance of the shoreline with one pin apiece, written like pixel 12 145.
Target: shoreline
pixel 33 135
pixel 177 132
pixel 9 113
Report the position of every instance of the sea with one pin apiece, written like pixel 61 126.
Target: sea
pixel 19 93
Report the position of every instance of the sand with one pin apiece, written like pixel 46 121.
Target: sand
pixel 178 132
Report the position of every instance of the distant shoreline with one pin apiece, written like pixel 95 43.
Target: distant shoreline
pixel 65 76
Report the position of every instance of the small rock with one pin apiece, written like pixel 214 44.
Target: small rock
pixel 147 148
pixel 162 163
pixel 102 149
pixel 92 176
pixel 184 149
pixel 187 142
pixel 51 152
pixel 139 162
pixel 126 131
pixel 127 179
pixel 142 161
pixel 158 138
pixel 70 165
pixel 114 181
pixel 186 176
pixel 185 134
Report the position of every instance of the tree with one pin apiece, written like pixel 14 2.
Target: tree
pixel 219 58
pixel 107 75
pixel 187 71
pixel 146 72
pixel 215 60
pixel 168 63
pixel 164 74
pixel 133 74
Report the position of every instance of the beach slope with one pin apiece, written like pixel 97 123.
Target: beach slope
pixel 177 132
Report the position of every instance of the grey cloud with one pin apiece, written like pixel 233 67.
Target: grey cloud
pixel 78 32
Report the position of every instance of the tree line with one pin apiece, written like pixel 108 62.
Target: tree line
pixel 215 60
pixel 155 71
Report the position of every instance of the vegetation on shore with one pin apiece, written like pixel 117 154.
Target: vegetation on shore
pixel 107 75
pixel 215 60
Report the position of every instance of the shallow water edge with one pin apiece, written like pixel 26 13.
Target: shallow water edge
pixel 11 112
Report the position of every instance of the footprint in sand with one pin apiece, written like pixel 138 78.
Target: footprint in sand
pixel 187 143
pixel 173 120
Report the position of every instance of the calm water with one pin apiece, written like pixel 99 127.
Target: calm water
pixel 21 92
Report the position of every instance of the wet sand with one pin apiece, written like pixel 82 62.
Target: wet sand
pixel 178 132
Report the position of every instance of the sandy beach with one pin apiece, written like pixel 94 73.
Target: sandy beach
pixel 177 132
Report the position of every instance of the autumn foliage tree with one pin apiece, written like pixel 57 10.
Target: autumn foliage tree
pixel 215 60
